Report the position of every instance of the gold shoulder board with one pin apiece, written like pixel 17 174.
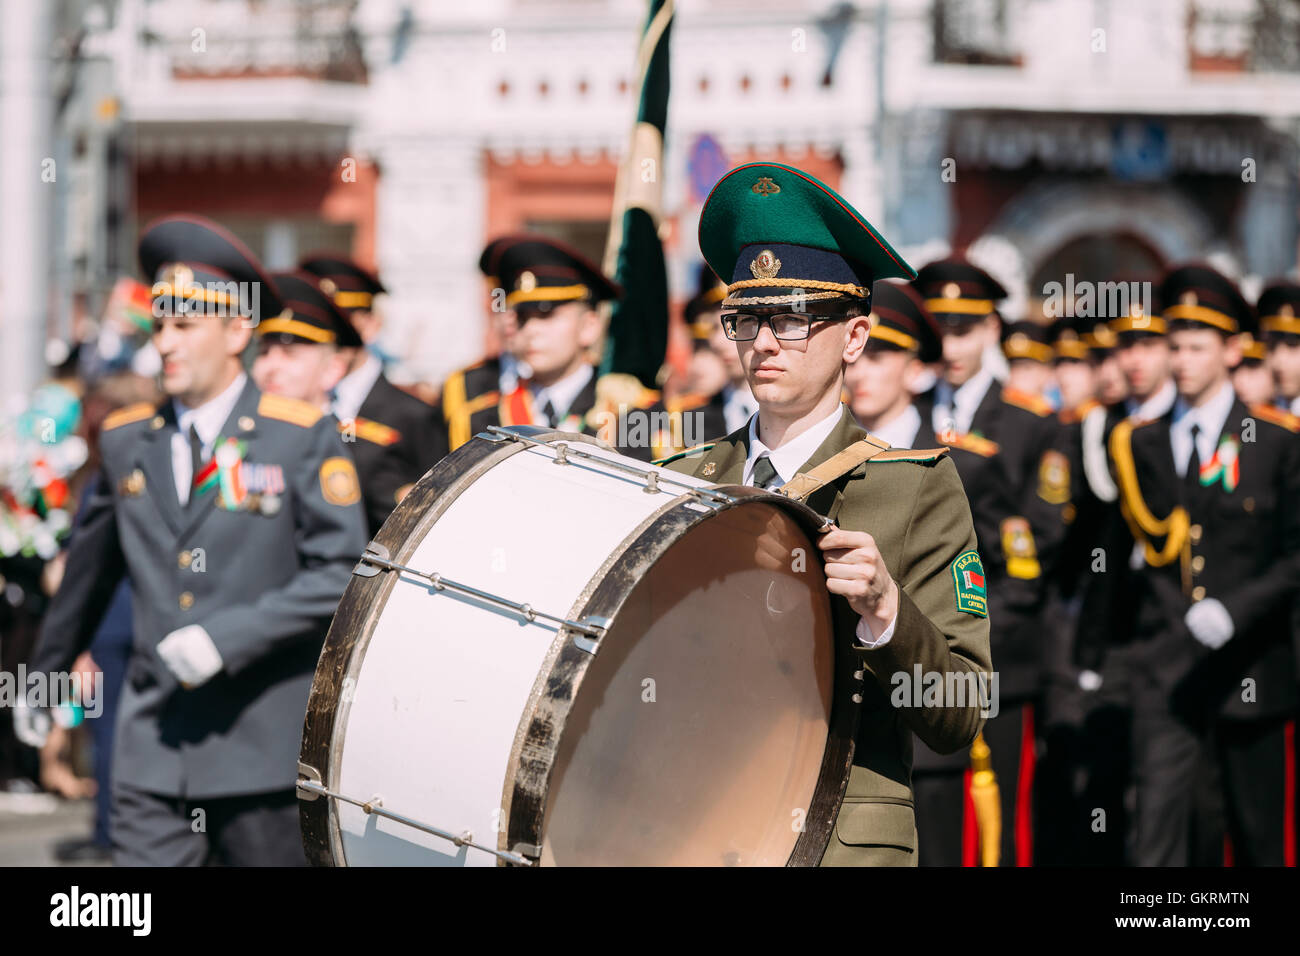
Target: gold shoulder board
pixel 127 415
pixel 1277 416
pixel 374 432
pixel 288 410
pixel 1030 403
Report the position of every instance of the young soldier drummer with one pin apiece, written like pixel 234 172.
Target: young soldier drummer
pixel 906 581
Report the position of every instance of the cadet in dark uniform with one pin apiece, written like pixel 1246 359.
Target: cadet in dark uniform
pixel 1211 497
pixel 303 352
pixel 906 582
pixel 1252 379
pixel 904 338
pixel 697 416
pixel 1136 341
pixel 393 435
pixel 1278 308
pixel 1278 311
pixel 1083 764
pixel 555 290
pixel 1005 446
pixel 1027 347
pixel 237 518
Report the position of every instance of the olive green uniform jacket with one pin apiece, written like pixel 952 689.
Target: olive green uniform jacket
pixel 914 507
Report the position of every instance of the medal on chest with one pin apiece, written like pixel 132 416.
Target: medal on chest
pixel 1224 467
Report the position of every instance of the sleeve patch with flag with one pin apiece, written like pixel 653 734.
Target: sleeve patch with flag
pixel 968 581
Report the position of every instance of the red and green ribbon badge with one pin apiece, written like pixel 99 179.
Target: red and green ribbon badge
pixel 223 472
pixel 1224 466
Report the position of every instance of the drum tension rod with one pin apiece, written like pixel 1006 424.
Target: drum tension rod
pixel 376 557
pixel 375 806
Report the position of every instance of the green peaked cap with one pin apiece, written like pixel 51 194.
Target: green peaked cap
pixel 775 204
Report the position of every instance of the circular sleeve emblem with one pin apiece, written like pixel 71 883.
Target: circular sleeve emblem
pixel 338 481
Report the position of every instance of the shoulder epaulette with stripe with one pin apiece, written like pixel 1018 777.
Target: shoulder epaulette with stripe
pixel 125 416
pixel 1072 416
pixel 288 410
pixel 909 454
pixel 1278 416
pixel 616 389
pixel 976 444
pixel 374 432
pixel 1030 403
pixel 682 454
pixel 688 402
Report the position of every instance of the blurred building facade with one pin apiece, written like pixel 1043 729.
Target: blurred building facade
pixel 1049 136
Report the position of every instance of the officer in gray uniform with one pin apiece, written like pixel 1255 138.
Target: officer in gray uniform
pixel 237 517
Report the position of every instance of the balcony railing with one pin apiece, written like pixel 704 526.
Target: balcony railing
pixel 222 38
pixel 980 32
pixel 1256 36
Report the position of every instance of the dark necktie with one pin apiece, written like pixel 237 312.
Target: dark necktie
pixel 764 473
pixel 1192 478
pixel 196 459
pixel 548 414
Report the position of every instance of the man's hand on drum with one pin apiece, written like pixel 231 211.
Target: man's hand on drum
pixel 856 570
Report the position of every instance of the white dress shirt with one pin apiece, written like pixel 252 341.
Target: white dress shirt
pixel 738 407
pixel 900 431
pixel 1295 406
pixel 1210 417
pixel 786 460
pixel 561 394
pixel 207 420
pixel 957 406
pixel 352 389
pixel 1155 406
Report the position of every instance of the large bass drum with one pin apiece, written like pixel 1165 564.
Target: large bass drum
pixel 553 654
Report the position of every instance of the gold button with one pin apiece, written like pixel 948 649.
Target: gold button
pixel 1198 564
pixel 1249 504
pixel 157 422
pixel 187 600
pixel 1198 593
pixel 1195 532
pixel 184 558
pixel 245 423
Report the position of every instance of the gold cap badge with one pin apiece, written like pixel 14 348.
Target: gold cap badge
pixel 527 282
pixel 765 265
pixel 765 186
pixel 951 290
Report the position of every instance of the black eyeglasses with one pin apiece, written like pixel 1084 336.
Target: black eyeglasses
pixel 744 327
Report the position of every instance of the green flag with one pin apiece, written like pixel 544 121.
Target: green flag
pixel 637 335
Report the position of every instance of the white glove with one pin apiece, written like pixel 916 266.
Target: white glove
pixel 1210 623
pixel 1089 681
pixel 190 654
pixel 31 724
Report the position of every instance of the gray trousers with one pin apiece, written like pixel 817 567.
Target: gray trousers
pixel 150 829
